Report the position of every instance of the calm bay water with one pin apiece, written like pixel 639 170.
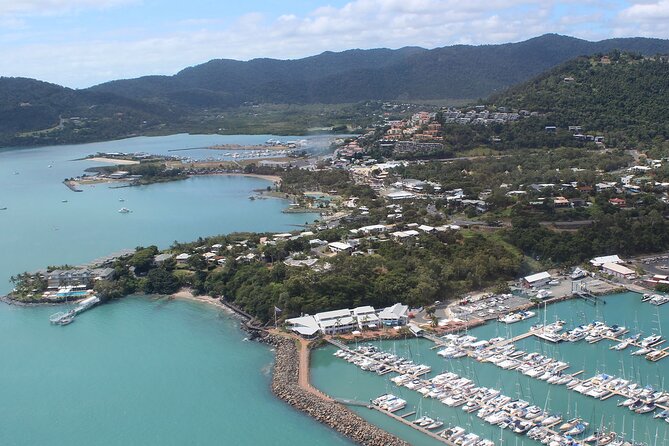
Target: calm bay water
pixel 38 229
pixel 137 371
pixel 342 379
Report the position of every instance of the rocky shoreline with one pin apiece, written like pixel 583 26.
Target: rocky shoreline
pixel 285 385
pixel 36 303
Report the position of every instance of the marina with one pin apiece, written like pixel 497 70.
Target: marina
pixel 455 391
pixel 595 380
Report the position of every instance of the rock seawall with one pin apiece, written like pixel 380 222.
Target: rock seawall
pixel 285 385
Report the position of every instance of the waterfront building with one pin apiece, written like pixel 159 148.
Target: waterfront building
pixel 336 321
pixel 619 271
pixel 77 277
pixel 345 320
pixel 396 315
pixel 536 280
pixel 306 326
pixel 366 317
pixel 599 261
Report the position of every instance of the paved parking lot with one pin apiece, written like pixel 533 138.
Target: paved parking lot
pixel 654 264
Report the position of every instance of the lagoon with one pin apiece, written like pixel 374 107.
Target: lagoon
pixel 141 370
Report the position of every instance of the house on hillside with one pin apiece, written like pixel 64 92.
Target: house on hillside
pixel 182 258
pixel 338 247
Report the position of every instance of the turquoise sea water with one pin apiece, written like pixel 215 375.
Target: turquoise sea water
pixel 37 229
pixel 342 379
pixel 139 371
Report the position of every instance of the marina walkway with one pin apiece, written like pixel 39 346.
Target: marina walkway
pixel 406 422
pixel 303 380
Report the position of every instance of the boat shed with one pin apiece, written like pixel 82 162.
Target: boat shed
pixel 600 261
pixel 536 280
pixel 619 271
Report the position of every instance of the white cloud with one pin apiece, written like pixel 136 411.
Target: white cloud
pixel 357 24
pixel 647 11
pixel 46 7
pixel 647 18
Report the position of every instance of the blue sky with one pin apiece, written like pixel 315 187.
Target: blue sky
pixel 79 43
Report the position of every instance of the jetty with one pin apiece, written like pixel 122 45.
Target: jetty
pixel 403 420
pixel 72 186
pixel 589 297
pixel 65 318
pixel 388 367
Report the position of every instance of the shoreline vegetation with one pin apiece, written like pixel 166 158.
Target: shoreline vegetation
pixel 74 184
pixel 139 169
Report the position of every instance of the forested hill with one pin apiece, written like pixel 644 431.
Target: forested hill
pixel 31 112
pixel 459 71
pixel 623 95
pixel 38 113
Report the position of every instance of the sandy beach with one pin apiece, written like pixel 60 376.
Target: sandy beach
pixel 118 162
pixel 273 178
pixel 186 294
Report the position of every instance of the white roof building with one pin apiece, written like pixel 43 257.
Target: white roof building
pixel 372 229
pixel 366 316
pixel 336 321
pixel 400 195
pixel 619 271
pixel 599 261
pixel 398 314
pixel 537 279
pixel 339 247
pixel 400 235
pixel 304 325
pixel 445 228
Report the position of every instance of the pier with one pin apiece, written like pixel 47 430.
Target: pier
pixel 589 297
pixel 65 318
pixel 72 186
pixel 433 435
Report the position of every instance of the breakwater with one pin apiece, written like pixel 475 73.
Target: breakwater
pixel 72 186
pixel 285 385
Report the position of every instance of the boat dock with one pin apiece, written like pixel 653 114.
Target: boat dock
pixel 65 318
pixel 403 420
pixel 389 367
pixel 589 297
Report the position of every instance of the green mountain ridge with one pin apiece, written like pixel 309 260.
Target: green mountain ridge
pixel 452 72
pixel 31 111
